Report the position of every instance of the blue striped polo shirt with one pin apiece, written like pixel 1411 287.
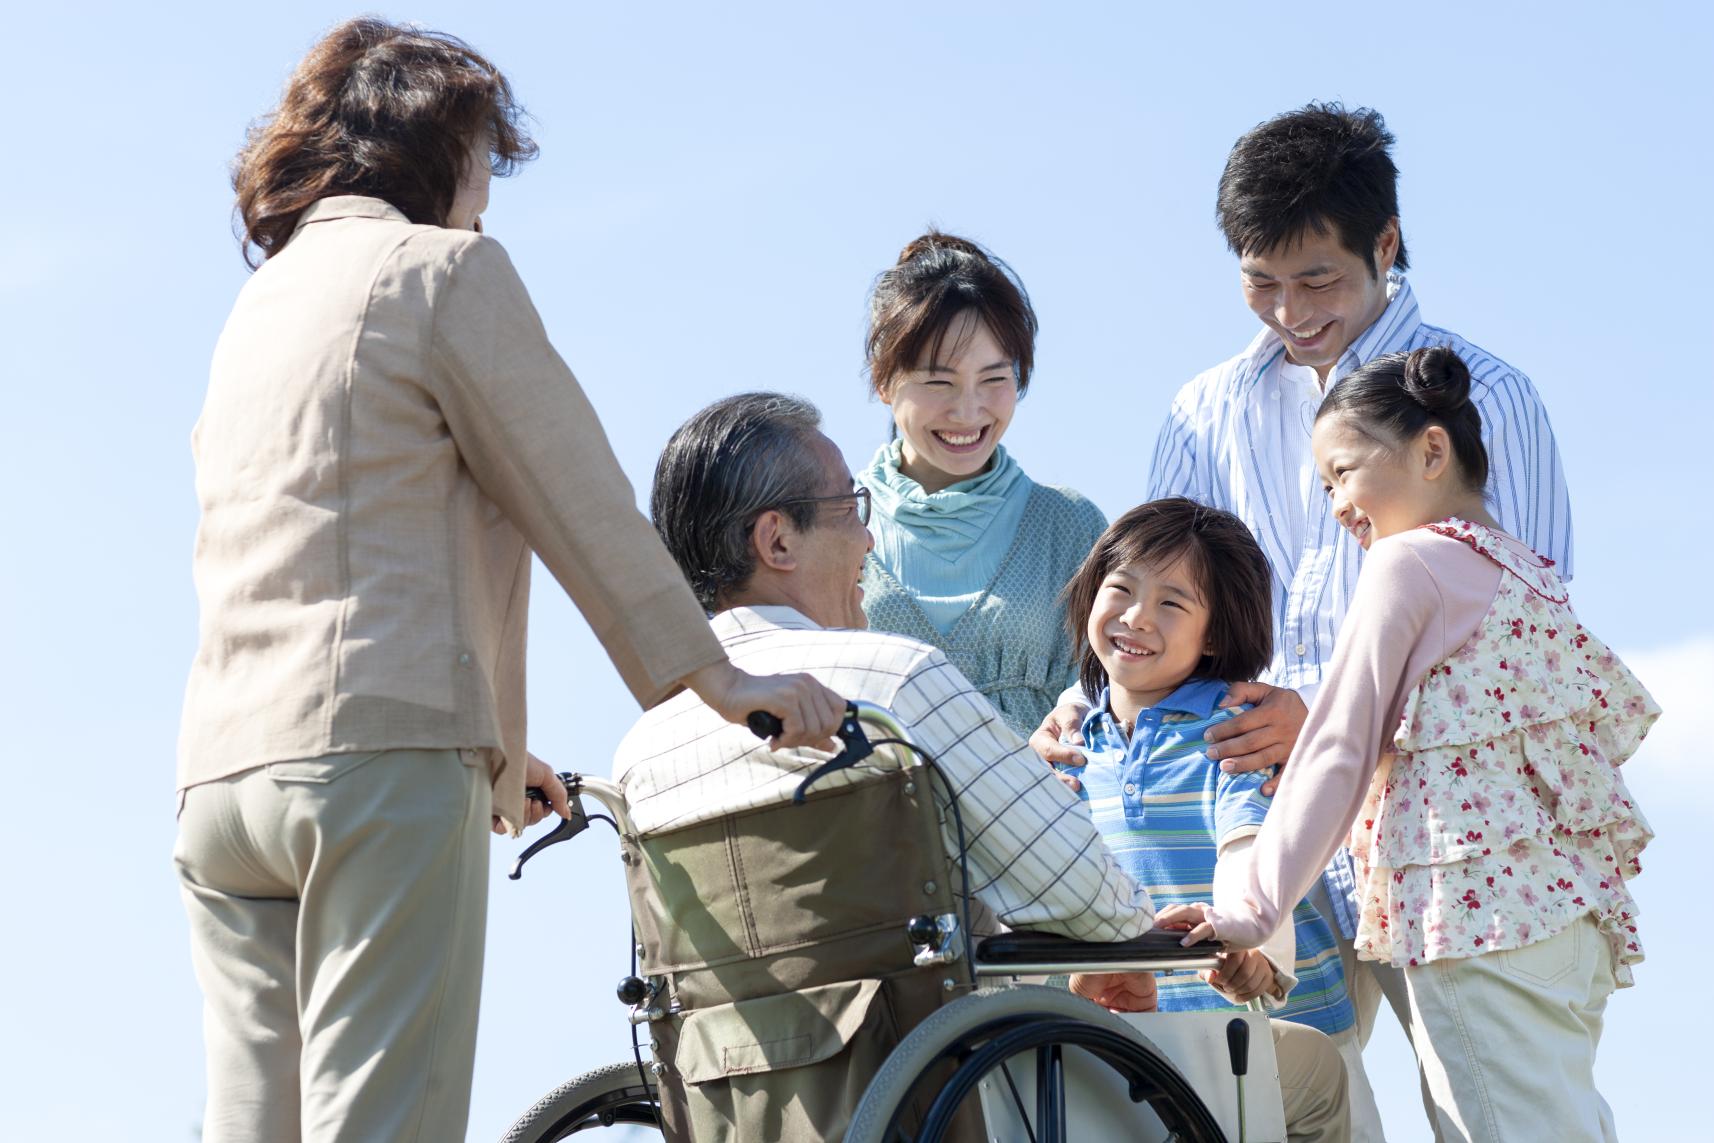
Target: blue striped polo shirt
pixel 1163 808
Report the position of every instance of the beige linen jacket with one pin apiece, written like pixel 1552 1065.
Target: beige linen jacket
pixel 387 434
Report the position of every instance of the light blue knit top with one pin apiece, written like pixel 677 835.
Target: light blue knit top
pixel 977 570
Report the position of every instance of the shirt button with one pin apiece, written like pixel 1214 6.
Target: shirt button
pixel 1301 649
pixel 1131 789
pixel 464 659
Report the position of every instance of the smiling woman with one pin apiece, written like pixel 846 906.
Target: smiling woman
pixel 970 554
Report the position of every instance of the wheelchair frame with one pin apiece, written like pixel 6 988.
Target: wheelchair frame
pixel 980 1034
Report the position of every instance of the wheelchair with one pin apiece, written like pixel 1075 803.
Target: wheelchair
pixel 1035 1063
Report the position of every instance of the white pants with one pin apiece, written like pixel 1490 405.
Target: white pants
pixel 337 909
pixel 1507 1039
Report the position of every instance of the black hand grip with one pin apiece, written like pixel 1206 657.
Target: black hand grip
pixel 1238 1044
pixel 764 725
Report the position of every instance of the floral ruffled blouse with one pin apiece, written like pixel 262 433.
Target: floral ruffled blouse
pixel 1501 818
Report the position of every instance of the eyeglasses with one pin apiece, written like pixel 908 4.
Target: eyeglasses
pixel 859 494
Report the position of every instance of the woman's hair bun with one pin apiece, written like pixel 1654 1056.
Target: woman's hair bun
pixel 1437 378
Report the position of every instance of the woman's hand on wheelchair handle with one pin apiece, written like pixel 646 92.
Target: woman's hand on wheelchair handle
pixel 1117 991
pixel 811 712
pixel 540 775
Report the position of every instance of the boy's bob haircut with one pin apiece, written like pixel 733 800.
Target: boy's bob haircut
pixel 1226 564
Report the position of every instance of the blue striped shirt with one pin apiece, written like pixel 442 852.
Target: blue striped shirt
pixel 1164 809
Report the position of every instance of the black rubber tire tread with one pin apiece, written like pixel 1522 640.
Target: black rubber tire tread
pixel 919 1050
pixel 544 1122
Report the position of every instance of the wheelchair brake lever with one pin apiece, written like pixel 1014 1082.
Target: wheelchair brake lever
pixel 567 828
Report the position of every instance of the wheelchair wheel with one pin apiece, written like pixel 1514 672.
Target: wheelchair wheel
pixel 1021 1040
pixel 615 1098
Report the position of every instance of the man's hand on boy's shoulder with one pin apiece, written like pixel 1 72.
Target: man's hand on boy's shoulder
pixel 1260 737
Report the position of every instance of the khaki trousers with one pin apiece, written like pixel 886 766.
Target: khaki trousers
pixel 337 908
pixel 1366 982
pixel 1313 1087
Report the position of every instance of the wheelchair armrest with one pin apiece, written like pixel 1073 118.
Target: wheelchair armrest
pixel 1035 954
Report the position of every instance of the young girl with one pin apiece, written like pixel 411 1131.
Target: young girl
pixel 1172 605
pixel 1467 738
pixel 971 555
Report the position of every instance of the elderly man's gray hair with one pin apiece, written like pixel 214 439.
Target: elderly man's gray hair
pixel 723 468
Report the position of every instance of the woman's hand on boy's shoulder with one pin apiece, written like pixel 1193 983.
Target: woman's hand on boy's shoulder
pixel 1260 737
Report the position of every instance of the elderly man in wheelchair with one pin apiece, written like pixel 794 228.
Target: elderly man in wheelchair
pixel 802 924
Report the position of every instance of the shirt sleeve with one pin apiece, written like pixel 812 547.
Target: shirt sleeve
pixel 536 448
pixel 1281 947
pixel 1526 485
pixel 1239 804
pixel 1397 605
pixel 1175 470
pixel 1035 857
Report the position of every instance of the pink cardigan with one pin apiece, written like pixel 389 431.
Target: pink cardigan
pixel 1421 597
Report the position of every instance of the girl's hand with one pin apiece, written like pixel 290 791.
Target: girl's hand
pixel 1243 975
pixel 811 713
pixel 1191 919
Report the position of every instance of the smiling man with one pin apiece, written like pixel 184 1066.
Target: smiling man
pixel 1309 203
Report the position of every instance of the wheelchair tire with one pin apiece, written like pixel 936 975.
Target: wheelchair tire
pixel 613 1096
pixel 974 1032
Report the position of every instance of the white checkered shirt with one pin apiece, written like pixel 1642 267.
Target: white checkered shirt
pixel 1035 859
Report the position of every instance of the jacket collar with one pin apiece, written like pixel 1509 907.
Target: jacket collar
pixel 348 206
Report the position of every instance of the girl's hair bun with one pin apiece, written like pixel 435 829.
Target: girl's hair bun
pixel 1437 378
pixel 935 242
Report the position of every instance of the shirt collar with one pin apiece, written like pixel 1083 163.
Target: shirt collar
pixel 1391 331
pixel 348 206
pixel 1197 697
pixel 737 622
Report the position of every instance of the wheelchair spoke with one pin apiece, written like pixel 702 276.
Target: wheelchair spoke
pixel 1018 1102
pixel 1050 1093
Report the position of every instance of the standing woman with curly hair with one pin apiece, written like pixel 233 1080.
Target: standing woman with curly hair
pixel 971 555
pixel 387 436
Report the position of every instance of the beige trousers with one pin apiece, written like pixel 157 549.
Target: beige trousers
pixel 337 908
pixel 1508 1039
pixel 1313 1087
pixel 1367 982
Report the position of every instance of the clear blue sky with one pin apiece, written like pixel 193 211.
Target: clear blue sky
pixel 717 187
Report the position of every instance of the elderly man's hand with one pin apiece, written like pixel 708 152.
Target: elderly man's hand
pixel 1257 738
pixel 1117 991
